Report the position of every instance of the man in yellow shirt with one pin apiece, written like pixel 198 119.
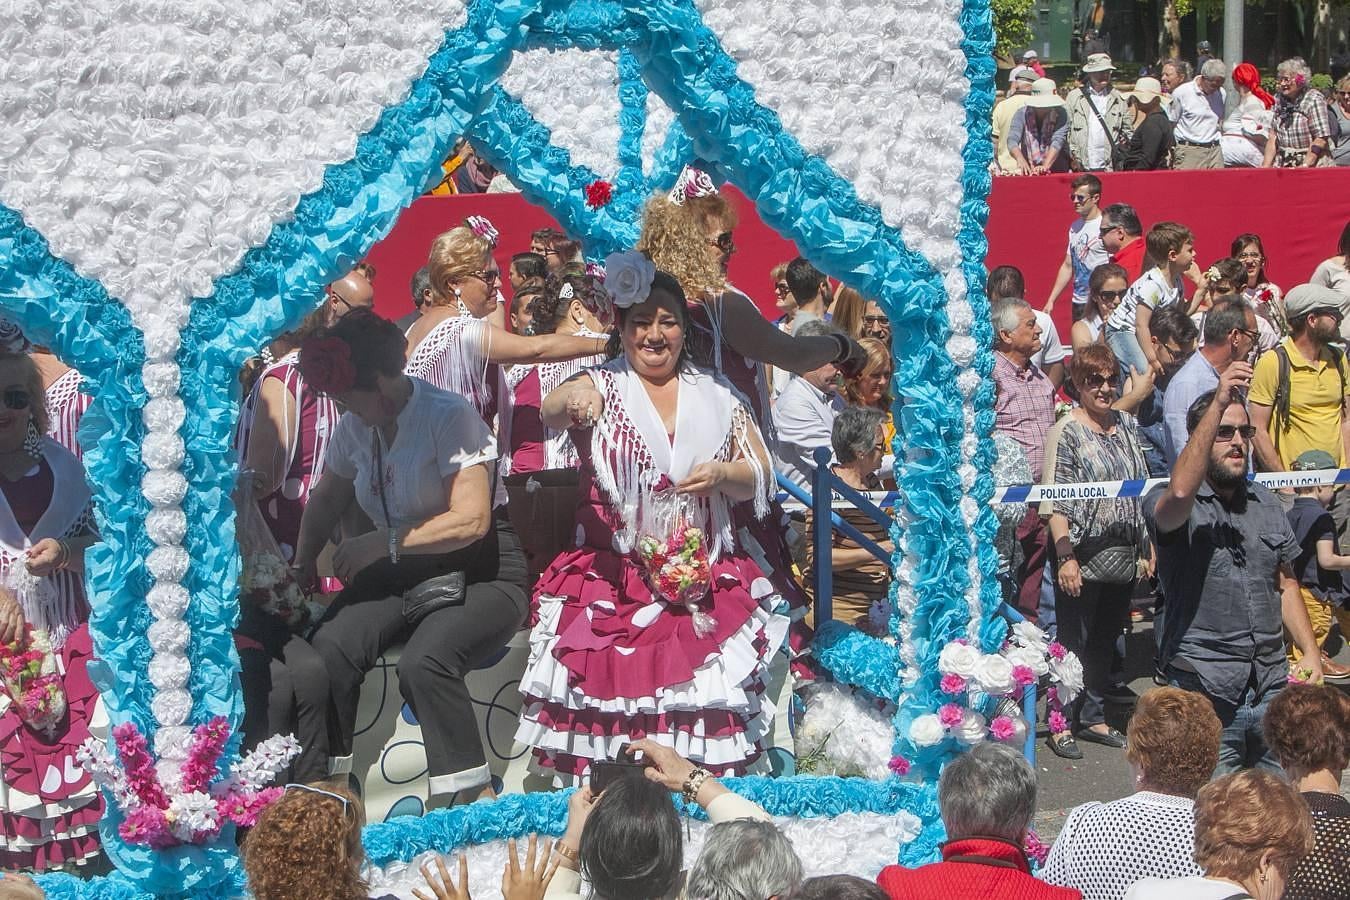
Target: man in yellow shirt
pixel 1299 388
pixel 1019 89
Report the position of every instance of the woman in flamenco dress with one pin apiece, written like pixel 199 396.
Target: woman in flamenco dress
pixel 649 629
pixel 688 233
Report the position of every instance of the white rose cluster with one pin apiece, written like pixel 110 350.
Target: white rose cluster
pixel 628 277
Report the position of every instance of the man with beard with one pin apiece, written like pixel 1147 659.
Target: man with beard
pixel 1299 388
pixel 1225 550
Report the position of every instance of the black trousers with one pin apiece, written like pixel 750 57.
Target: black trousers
pixel 285 685
pixel 1089 625
pixel 366 619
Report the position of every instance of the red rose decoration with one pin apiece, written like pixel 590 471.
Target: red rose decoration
pixel 598 194
pixel 326 364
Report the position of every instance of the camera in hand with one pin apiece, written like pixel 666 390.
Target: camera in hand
pixel 628 765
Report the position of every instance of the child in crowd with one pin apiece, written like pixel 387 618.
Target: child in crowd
pixel 1319 566
pixel 1172 247
pixel 1225 278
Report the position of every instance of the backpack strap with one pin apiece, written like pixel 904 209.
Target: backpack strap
pixel 1280 419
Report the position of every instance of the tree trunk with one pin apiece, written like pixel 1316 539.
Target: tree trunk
pixel 1321 36
pixel 1169 39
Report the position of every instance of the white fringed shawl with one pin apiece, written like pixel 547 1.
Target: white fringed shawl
pixel 631 451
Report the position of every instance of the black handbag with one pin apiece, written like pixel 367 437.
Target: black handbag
pixel 431 594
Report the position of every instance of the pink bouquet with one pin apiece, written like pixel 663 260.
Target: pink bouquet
pixel 29 677
pixel 678 570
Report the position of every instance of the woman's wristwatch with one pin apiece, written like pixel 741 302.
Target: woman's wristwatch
pixel 569 856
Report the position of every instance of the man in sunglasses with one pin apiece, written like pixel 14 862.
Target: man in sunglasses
pixel 351 291
pixel 1123 238
pixel 1225 554
pixel 1299 389
pixel 1086 251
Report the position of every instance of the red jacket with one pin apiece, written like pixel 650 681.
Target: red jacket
pixel 972 869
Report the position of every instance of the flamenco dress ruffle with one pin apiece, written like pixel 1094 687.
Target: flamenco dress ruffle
pixel 611 663
pixel 49 807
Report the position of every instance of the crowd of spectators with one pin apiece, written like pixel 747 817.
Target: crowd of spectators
pixel 1212 118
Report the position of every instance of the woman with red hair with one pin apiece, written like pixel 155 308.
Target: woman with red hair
pixel 1246 130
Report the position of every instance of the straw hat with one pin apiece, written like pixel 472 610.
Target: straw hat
pixel 1098 62
pixel 1146 90
pixel 1043 94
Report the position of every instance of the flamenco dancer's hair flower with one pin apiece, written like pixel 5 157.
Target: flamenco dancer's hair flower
pixel 629 277
pixel 480 226
pixel 691 183
pixel 326 364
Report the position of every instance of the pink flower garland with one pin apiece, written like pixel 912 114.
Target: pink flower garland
pixel 140 768
pixel 208 743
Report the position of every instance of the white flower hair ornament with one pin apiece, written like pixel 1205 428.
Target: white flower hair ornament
pixel 481 226
pixel 691 183
pixel 628 278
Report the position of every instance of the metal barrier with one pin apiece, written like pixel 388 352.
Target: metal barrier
pixel 820 500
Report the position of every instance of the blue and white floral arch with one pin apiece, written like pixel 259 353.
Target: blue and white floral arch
pixel 179 183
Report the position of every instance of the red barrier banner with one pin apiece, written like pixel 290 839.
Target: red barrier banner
pixel 1299 215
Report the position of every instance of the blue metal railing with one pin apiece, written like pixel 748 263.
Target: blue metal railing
pixel 824 486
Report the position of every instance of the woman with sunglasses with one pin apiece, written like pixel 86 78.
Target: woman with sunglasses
pixel 688 233
pixel 1097 544
pixel 46 525
pixel 1106 285
pixel 455 348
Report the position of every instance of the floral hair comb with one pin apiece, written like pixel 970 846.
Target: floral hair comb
pixel 480 226
pixel 691 183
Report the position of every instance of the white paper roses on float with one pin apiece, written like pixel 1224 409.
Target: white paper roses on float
pixel 1026 634
pixel 628 278
pixel 927 731
pixel 1033 659
pixel 994 676
pixel 1068 672
pixel 959 659
pixel 973 728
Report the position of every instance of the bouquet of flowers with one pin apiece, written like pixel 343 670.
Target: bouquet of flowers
pixel 29 677
pixel 266 580
pixel 675 560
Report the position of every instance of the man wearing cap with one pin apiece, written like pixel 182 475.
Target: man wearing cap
pixel 1019 89
pixel 1225 552
pixel 1299 388
pixel 1196 112
pixel 1151 143
pixel 1099 117
pixel 1038 132
pixel 1030 63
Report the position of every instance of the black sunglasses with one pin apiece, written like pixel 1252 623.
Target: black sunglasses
pixel 1226 432
pixel 724 242
pixel 16 398
pixel 1094 380
pixel 1110 295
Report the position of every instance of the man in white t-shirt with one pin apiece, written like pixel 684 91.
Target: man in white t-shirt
pixel 1086 251
pixel 1197 111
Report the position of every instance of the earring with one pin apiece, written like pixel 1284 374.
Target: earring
pixel 32 441
pixel 459 304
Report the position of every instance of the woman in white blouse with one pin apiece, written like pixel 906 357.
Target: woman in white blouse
pixel 439 572
pixel 1105 847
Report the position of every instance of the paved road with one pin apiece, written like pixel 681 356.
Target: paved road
pixel 1102 773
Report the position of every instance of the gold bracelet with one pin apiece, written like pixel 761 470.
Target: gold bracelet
pixel 565 851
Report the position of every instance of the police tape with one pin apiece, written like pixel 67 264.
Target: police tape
pixel 1099 490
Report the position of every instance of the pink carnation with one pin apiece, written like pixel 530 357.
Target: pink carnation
pixel 1036 848
pixel 899 765
pixel 953 683
pixel 1058 651
pixel 1002 728
pixel 950 715
pixel 244 809
pixel 1058 724
pixel 147 827
pixel 1023 675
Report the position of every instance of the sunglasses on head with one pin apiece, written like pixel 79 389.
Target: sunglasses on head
pixel 16 398
pixel 1226 432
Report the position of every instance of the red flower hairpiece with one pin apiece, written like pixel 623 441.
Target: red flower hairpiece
pixel 326 364
pixel 599 193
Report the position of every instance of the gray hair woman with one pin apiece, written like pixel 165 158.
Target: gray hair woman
pixel 744 858
pixel 1302 119
pixel 860 579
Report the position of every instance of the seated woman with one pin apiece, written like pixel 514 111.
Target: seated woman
pixel 648 629
pixel 860 579
pixel 1308 728
pixel 46 524
pixel 1106 847
pixel 1251 831
pixel 438 574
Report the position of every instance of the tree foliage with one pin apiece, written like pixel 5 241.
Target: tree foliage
pixel 1012 25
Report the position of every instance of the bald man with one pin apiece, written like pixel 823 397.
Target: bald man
pixel 352 291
